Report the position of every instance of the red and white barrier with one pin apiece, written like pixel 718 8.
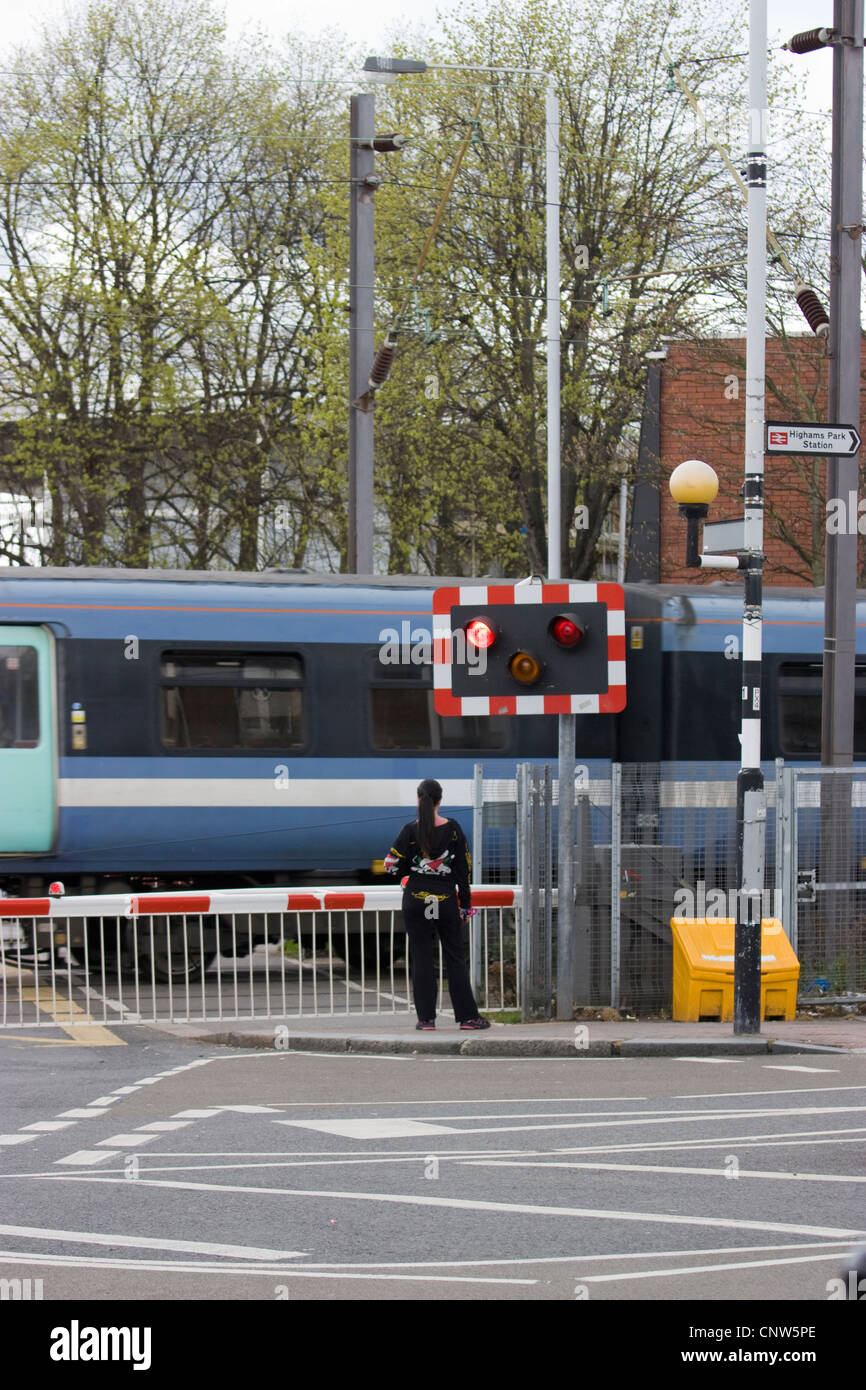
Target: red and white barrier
pixel 233 900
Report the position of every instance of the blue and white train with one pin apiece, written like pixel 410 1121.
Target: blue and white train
pixel 166 729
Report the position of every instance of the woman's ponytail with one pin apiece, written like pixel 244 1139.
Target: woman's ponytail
pixel 429 797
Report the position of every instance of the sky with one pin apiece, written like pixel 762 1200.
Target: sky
pixel 373 22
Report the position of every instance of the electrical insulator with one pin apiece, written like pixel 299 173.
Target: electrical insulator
pixel 812 310
pixel 382 363
pixel 387 144
pixel 810 40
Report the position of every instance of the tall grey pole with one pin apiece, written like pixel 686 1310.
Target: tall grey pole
pixel 565 837
pixel 554 321
pixel 843 405
pixel 751 802
pixel 361 332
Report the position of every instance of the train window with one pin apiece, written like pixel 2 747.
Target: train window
pixel 228 700
pixel 800 710
pixel 406 719
pixel 19 697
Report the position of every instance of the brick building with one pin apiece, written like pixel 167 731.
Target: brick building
pixel 695 408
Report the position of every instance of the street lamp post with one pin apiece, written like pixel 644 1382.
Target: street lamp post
pixel 694 485
pixel 751 801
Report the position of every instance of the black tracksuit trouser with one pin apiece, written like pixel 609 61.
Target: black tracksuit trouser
pixel 423 931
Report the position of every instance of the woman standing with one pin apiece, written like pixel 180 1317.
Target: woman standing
pixel 431 858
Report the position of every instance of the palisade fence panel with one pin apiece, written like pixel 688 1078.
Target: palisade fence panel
pixel 678 858
pixel 496 839
pixel 822 878
pixel 652 841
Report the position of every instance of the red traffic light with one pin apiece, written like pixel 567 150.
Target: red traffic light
pixel 565 630
pixel 480 633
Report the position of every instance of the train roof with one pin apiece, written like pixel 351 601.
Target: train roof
pixel 305 606
pixel 697 594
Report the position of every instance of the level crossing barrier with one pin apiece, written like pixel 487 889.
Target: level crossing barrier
pixel 231 954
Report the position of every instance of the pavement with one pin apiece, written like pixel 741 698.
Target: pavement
pixel 809 1032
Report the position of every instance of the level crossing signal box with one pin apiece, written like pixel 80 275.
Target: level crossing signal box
pixel 539 648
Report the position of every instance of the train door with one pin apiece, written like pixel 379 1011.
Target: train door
pixel 28 745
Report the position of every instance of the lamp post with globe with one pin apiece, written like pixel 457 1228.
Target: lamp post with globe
pixel 694 485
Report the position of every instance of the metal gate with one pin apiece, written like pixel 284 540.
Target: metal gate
pixel 821 876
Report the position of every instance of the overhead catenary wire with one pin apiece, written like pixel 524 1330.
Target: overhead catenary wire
pixel 807 300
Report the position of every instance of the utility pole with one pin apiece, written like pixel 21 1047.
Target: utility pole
pixel 843 404
pixel 362 187
pixel 837 711
pixel 751 799
pixel 843 407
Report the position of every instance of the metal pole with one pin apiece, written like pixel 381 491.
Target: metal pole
pixel 843 405
pixel 554 516
pixel 565 837
pixel 615 883
pixel 477 869
pixel 565 873
pixel 361 333
pixel 623 514
pixel 751 801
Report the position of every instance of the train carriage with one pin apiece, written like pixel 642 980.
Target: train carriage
pixel 163 729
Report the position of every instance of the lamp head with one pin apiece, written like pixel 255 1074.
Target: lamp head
pixel 694 483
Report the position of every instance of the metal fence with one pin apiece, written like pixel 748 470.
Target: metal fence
pixel 269 954
pixel 821 877
pixel 652 841
pixel 656 841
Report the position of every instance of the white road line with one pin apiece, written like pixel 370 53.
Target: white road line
pixel 46 1126
pixel 373 1128
pixel 251 1109
pixel 467 1204
pixel 789 1138
pixel 838 1246
pixel 84 1113
pixel 712 1061
pixel 128 1015
pixel 282 1271
pixel 789 1091
pixel 485 1100
pixel 83 1157
pixel 660 1168
pixel 700 1269
pixel 711 1113
pixel 778 1066
pixel 186 1247
pixel 195 1114
pixel 160 1126
pixel 125 1141
pixel 17 1138
pixel 638 1120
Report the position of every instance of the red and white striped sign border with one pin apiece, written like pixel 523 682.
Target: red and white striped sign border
pixel 483 596
pixel 386 898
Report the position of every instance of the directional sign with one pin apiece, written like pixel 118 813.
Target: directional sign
pixel 837 441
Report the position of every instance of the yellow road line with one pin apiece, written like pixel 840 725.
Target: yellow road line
pixel 84 1031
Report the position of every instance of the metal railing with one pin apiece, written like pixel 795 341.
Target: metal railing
pixel 230 955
